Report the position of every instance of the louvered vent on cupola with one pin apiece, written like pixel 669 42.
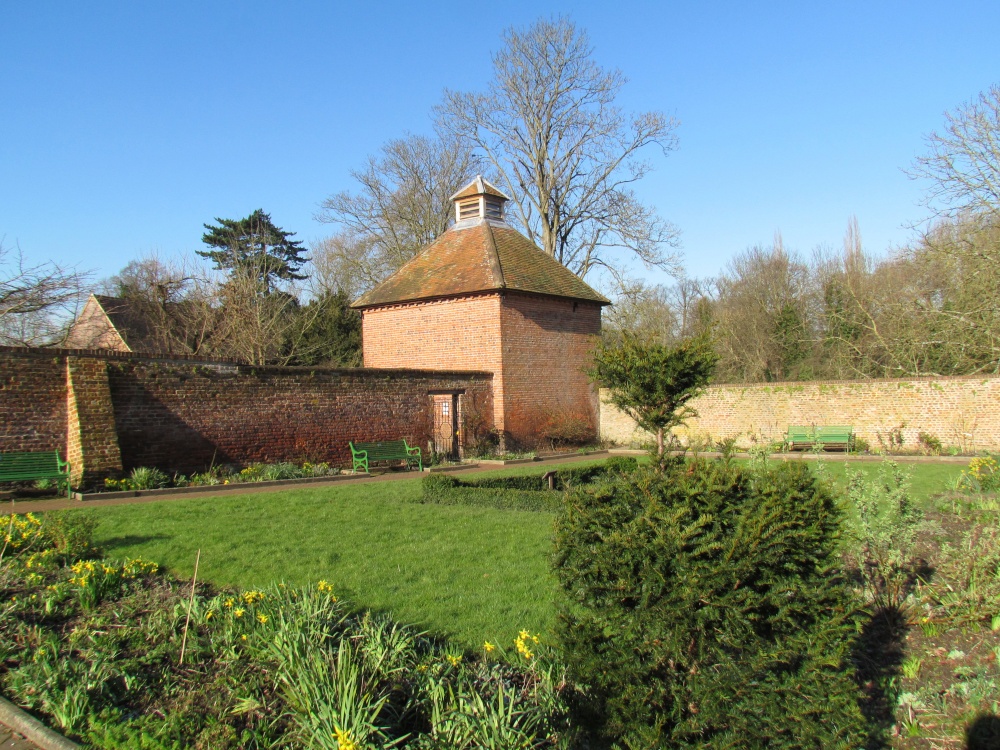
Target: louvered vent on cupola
pixel 479 200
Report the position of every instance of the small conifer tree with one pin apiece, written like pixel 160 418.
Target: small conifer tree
pixel 653 383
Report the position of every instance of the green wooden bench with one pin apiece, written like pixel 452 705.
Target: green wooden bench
pixel 832 437
pixel 365 454
pixel 23 467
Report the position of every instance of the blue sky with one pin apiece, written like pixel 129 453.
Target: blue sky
pixel 125 126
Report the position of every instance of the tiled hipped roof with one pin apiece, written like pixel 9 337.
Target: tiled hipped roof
pixel 488 256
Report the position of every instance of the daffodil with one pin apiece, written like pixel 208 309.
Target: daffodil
pixel 344 741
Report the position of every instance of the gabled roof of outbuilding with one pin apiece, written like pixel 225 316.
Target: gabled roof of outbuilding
pixel 487 256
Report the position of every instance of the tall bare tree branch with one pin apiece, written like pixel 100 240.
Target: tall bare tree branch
pixel 401 207
pixel 37 300
pixel 962 165
pixel 567 155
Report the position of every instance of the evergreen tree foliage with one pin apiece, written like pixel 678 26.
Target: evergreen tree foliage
pixel 327 332
pixel 653 383
pixel 703 609
pixel 254 247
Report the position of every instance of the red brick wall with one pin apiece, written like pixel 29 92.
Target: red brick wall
pixel 462 333
pixel 536 347
pixel 32 401
pixel 91 441
pixel 180 413
pixel 547 343
pixel 184 416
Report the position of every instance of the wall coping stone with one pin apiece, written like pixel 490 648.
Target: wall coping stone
pixel 802 383
pixel 239 365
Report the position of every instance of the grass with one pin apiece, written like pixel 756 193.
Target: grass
pixel 473 574
pixel 926 479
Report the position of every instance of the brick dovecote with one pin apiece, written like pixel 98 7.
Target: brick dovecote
pixel 484 296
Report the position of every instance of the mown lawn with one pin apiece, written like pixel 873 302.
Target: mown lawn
pixel 473 574
pixel 926 479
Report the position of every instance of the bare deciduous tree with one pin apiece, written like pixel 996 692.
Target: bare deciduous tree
pixel 660 314
pixel 402 206
pixel 37 300
pixel 172 302
pixel 762 314
pixel 562 149
pixel 963 163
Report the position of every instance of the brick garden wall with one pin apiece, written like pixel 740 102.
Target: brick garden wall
pixel 32 402
pixel 113 412
pixel 187 417
pixel 963 412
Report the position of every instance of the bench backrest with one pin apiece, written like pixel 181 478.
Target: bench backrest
pixel 799 434
pixel 385 449
pixel 834 434
pixel 29 465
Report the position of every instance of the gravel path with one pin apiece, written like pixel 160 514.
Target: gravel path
pixel 11 740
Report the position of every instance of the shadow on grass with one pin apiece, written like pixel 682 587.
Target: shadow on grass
pixel 130 540
pixel 983 733
pixel 878 654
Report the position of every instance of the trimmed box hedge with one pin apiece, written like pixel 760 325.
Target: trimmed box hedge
pixel 529 493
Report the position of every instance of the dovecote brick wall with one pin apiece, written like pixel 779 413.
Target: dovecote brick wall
pixel 963 412
pixel 112 412
pixel 457 332
pixel 536 347
pixel 547 343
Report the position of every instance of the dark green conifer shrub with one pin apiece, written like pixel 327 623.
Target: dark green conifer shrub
pixel 703 609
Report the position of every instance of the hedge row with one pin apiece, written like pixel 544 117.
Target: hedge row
pixel 520 493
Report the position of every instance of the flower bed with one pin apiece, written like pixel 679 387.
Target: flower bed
pixel 148 478
pixel 95 645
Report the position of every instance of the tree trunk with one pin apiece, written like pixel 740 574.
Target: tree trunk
pixel 659 443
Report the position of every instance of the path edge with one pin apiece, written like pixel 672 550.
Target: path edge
pixel 25 724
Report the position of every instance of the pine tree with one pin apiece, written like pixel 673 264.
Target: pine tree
pixel 255 248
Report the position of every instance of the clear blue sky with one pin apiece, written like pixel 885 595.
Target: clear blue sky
pixel 127 125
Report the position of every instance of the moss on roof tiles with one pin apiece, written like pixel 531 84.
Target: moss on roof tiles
pixel 479 258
